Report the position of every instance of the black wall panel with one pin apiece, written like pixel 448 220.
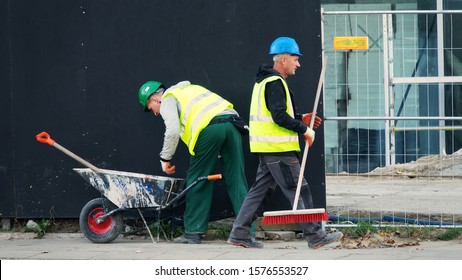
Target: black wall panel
pixel 74 69
pixel 7 199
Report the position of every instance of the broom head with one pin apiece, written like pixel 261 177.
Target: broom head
pixel 295 216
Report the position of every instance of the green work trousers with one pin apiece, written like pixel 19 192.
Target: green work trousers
pixel 219 139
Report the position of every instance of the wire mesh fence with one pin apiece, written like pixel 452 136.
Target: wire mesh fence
pixel 393 115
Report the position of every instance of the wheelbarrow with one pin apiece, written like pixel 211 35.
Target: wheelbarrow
pixel 103 219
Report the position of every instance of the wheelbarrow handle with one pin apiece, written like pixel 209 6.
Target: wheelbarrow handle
pixel 200 179
pixel 214 177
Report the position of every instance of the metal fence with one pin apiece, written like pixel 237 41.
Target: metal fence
pixel 393 114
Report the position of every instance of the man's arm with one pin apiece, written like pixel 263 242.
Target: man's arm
pixel 169 112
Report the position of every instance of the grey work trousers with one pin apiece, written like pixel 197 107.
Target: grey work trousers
pixel 282 171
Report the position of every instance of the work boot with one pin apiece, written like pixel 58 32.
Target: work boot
pixel 188 238
pixel 327 239
pixel 246 243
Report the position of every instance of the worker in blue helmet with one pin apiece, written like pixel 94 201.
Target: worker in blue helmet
pixel 274 129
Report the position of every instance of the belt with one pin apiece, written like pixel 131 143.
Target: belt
pixel 221 119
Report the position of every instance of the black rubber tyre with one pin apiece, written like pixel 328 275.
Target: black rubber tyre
pixel 106 231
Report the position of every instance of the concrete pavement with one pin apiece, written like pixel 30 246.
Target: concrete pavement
pixel 77 247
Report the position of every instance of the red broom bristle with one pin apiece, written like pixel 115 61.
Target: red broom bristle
pixel 294 219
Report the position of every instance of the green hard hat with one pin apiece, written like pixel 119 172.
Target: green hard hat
pixel 146 90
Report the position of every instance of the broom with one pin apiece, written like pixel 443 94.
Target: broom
pixel 295 216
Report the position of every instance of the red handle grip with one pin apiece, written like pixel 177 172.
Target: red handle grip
pixel 44 138
pixel 214 177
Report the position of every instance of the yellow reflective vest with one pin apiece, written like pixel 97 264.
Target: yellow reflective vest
pixel 198 107
pixel 264 134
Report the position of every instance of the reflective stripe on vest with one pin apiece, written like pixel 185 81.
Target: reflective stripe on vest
pixel 198 107
pixel 266 136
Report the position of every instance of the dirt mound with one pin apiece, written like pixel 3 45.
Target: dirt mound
pixel 432 166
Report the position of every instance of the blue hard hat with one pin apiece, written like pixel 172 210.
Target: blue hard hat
pixel 284 45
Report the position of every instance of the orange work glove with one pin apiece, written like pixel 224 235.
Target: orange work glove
pixel 309 136
pixel 167 167
pixel 307 120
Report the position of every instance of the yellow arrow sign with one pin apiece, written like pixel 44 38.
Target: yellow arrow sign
pixel 351 43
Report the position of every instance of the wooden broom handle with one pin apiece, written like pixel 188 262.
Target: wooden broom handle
pixel 305 152
pixel 45 138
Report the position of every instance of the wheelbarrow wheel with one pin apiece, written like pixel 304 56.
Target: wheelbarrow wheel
pixel 103 232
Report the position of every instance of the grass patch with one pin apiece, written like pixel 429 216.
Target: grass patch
pixel 218 231
pixel 364 229
pixel 422 233
pixel 167 227
pixel 39 228
pixel 450 234
pixel 44 225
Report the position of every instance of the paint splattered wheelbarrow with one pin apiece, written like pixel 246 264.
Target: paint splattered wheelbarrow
pixel 103 219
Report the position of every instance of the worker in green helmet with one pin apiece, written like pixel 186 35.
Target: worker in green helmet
pixel 204 122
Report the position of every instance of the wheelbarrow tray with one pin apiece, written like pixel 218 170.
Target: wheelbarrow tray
pixel 133 190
